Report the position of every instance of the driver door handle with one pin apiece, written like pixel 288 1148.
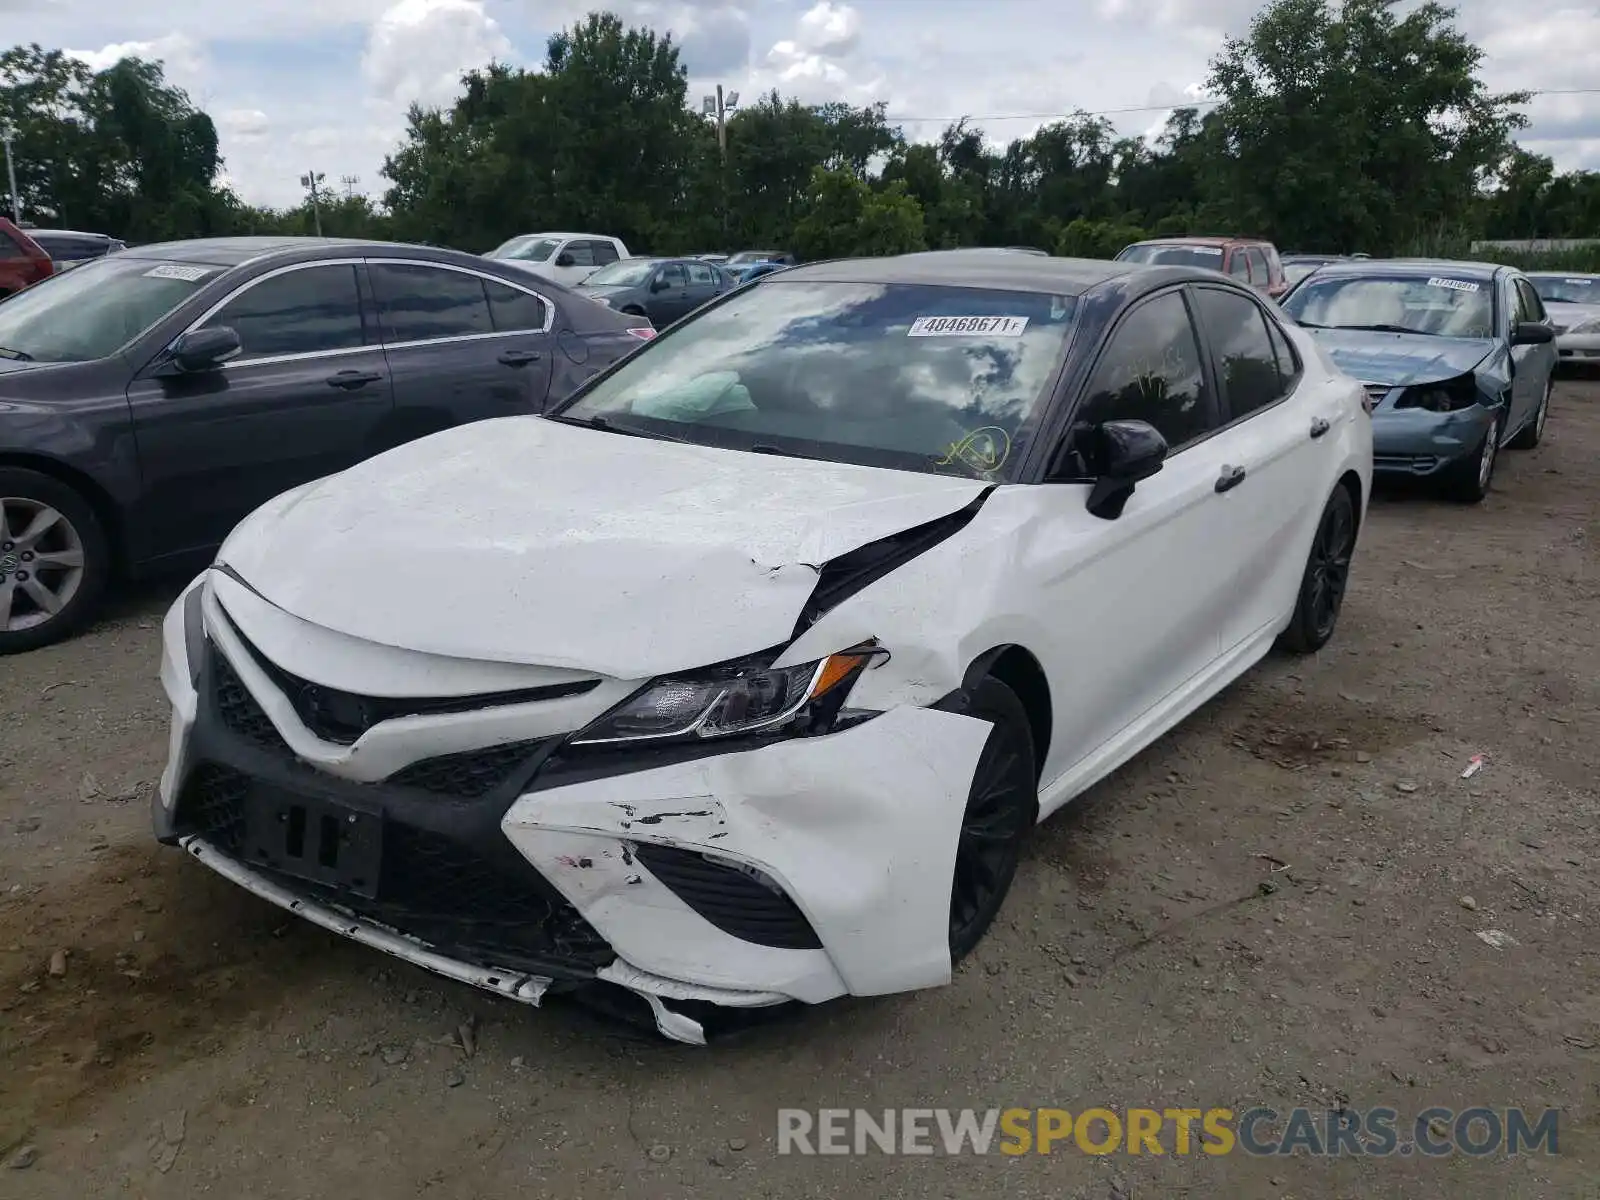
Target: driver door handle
pixel 351 380
pixel 1230 478
pixel 519 358
pixel 1319 427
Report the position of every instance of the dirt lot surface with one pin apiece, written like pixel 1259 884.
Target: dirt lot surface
pixel 199 1042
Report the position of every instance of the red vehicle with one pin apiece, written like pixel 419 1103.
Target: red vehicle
pixel 22 262
pixel 1249 260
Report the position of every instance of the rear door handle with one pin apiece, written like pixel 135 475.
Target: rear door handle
pixel 1230 478
pixel 351 380
pixel 520 358
pixel 1319 427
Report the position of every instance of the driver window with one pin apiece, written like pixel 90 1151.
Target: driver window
pixel 1531 304
pixel 674 274
pixel 1150 371
pixel 1239 266
pixel 304 311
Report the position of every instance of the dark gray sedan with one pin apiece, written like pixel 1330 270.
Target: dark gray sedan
pixel 1456 358
pixel 662 289
pixel 151 398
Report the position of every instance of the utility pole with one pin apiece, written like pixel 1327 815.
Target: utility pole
pixel 349 182
pixel 8 134
pixel 309 181
pixel 719 106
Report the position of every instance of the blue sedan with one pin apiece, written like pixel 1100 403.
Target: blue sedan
pixel 1456 359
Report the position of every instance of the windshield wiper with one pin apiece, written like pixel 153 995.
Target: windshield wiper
pixel 17 355
pixel 1386 329
pixel 608 426
pixel 769 448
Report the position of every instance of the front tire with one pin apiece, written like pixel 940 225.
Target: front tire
pixel 55 560
pixel 1327 574
pixel 1469 480
pixel 1002 806
pixel 1530 434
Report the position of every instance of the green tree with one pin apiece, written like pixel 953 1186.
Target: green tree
pixel 845 218
pixel 1351 125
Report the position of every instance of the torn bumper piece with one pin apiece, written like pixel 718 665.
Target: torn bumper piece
pixel 660 994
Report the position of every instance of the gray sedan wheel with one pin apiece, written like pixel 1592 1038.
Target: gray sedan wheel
pixel 54 560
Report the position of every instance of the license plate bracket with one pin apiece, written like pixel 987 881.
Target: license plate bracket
pixel 314 839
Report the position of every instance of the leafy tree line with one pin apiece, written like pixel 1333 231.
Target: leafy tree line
pixel 1341 125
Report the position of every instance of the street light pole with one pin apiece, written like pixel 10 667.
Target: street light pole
pixel 7 134
pixel 720 106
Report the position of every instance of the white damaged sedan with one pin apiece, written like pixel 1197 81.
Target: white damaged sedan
pixel 742 678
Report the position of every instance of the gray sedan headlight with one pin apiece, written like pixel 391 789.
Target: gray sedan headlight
pixel 1591 325
pixel 745 697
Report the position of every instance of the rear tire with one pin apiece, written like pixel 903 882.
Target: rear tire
pixel 1529 435
pixel 55 560
pixel 1327 574
pixel 1469 481
pixel 1002 807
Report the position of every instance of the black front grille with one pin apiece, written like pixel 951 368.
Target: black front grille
pixel 730 898
pixel 467 775
pixel 238 708
pixel 471 774
pixel 432 887
pixel 342 717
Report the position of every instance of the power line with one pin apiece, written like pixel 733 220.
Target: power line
pixel 1151 108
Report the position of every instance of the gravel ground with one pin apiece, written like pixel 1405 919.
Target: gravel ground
pixel 188 1039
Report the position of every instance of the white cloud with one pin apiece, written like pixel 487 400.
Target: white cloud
pixel 418 49
pixel 830 28
pixel 182 59
pixel 244 124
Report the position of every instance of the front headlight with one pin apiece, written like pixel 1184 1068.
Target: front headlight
pixel 1450 395
pixel 743 697
pixel 1592 325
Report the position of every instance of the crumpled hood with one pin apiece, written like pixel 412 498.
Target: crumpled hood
pixel 1401 359
pixel 526 540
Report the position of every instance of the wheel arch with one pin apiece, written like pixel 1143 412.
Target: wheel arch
pixel 1019 670
pixel 106 509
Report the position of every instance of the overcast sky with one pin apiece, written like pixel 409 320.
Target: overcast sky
pixel 298 84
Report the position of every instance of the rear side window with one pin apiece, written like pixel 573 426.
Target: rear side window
pixel 420 303
pixel 1247 362
pixel 514 311
pixel 305 311
pixel 1150 371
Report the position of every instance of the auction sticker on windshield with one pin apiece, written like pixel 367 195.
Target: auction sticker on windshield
pixel 174 271
pixel 966 326
pixel 1459 285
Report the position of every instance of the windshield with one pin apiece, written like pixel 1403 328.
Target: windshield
pixel 913 377
pixel 1175 256
pixel 530 247
pixel 623 273
pixel 1296 270
pixel 1567 289
pixel 94 310
pixel 1437 305
pixel 745 257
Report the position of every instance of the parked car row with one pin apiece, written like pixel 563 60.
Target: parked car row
pixel 741 676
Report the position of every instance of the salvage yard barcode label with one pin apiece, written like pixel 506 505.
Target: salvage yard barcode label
pixel 1458 285
pixel 966 326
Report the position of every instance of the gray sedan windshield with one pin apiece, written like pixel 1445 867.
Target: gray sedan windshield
pixel 94 310
pixel 1567 289
pixel 1442 305
pixel 915 377
pixel 624 273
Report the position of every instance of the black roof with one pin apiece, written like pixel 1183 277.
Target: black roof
pixel 1411 266
pixel 1005 270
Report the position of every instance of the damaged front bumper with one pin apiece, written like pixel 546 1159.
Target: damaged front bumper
pixel 796 870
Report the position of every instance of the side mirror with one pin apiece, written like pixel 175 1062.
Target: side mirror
pixel 1532 333
pixel 1118 455
pixel 206 349
pixel 565 260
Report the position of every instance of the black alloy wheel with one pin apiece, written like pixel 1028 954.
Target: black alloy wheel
pixel 1327 575
pixel 1002 806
